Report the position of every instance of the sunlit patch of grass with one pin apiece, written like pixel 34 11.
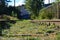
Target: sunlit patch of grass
pixel 9 17
pixel 27 27
pixel 20 38
pixel 58 36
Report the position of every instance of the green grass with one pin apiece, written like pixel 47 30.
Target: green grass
pixel 28 27
pixel 20 38
pixel 58 36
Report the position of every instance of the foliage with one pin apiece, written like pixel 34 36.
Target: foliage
pixel 4 9
pixel 57 0
pixel 58 36
pixel 50 12
pixel 46 13
pixel 22 38
pixel 7 17
pixel 3 6
pixel 28 27
pixel 34 6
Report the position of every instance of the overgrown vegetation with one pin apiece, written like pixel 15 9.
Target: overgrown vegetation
pixel 50 12
pixel 45 31
pixel 28 27
pixel 34 6
pixel 44 14
pixel 58 36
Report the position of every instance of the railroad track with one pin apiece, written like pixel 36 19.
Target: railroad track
pixel 45 20
pixel 35 21
pixel 57 22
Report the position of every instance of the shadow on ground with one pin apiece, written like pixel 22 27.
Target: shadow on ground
pixel 5 25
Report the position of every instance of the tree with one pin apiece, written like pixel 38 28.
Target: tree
pixel 3 5
pixel 57 1
pixel 2 10
pixel 34 6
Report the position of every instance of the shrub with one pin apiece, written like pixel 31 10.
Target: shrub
pixel 44 14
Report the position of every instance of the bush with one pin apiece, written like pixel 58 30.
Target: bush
pixel 44 14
